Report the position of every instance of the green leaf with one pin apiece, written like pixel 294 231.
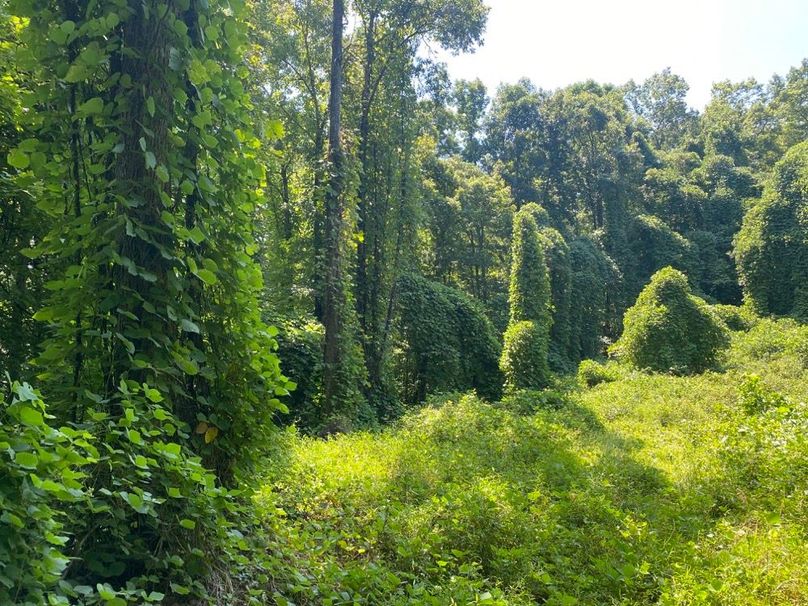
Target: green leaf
pixel 76 73
pixel 189 367
pixel 30 416
pixel 91 107
pixel 151 160
pixel 18 159
pixel 105 592
pixel 197 73
pixel 180 589
pixel 189 326
pixel 150 106
pixel 189 524
pixel 196 235
pixel 135 501
pixel 154 395
pixel 26 459
pixel 207 276
pixel 25 393
pixel 211 434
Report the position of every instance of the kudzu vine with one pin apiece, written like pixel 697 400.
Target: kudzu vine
pixel 146 159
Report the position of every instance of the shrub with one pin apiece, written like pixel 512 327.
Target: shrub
pixel 670 329
pixel 524 356
pixel 591 373
pixel 300 349
pixel 447 342
pixel 528 401
pixel 736 318
pixel 756 397
pixel 769 340
pixel 39 474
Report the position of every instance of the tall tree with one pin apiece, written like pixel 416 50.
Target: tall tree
pixel 143 154
pixel 339 372
pixel 471 100
pixel 527 339
pixel 334 296
pixel 391 32
pixel 661 100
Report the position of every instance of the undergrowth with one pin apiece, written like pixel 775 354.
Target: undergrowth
pixel 644 489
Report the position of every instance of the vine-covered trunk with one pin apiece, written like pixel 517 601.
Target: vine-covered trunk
pixel 333 294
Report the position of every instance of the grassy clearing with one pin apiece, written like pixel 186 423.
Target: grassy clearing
pixel 645 489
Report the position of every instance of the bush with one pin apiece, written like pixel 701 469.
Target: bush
pixel 300 349
pixel 770 339
pixel 669 329
pixel 756 397
pixel 447 343
pixel 529 401
pixel 524 356
pixel 736 318
pixel 40 471
pixel 591 373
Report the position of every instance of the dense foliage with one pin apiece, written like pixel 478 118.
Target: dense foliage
pixel 772 246
pixel 527 339
pixel 647 489
pixel 179 179
pixel 140 157
pixel 669 329
pixel 524 356
pixel 42 472
pixel 447 343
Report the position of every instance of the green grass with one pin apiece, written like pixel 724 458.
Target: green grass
pixel 647 489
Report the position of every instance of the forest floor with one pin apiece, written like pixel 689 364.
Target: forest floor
pixel 643 489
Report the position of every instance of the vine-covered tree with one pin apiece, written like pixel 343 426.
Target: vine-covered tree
pixel 772 247
pixel 142 153
pixel 527 339
pixel 669 329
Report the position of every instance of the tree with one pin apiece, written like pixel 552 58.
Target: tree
pixel 289 79
pixel 340 373
pixel 471 100
pixel 661 100
pixel 142 154
pixel 21 223
pixel 514 135
pixel 771 249
pixel 524 356
pixel 391 33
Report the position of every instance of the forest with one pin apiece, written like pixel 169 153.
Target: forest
pixel 288 316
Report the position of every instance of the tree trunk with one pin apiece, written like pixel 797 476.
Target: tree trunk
pixel 333 286
pixel 364 175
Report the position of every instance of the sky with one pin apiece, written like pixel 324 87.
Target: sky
pixel 559 42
